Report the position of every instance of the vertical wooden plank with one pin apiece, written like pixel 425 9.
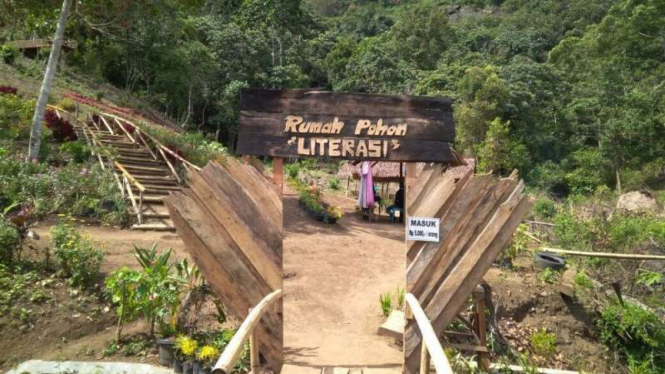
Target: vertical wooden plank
pixel 481 327
pixel 278 172
pixel 409 181
pixel 254 353
pixel 424 360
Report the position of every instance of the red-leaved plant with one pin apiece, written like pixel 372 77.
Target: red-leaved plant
pixel 8 90
pixel 62 130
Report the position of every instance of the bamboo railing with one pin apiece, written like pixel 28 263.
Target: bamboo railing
pixel 233 350
pixel 155 147
pixel 431 347
pixel 128 181
pixel 107 162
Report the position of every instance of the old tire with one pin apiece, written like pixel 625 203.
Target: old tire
pixel 546 260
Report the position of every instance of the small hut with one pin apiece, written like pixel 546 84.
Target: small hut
pixel 387 175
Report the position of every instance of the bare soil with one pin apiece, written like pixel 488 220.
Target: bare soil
pixel 334 275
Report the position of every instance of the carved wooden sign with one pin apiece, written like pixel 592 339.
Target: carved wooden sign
pixel 286 123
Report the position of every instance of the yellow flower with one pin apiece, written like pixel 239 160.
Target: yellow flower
pixel 208 353
pixel 186 345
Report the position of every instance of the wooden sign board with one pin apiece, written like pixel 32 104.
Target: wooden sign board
pixel 352 126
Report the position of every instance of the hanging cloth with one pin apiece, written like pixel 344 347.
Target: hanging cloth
pixel 362 191
pixel 369 185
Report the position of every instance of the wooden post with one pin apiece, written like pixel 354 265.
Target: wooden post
pixel 424 360
pixel 254 352
pixel 278 172
pixel 481 327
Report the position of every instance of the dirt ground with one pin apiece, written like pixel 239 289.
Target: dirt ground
pixel 334 276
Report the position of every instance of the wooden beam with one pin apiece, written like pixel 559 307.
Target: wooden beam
pixel 278 172
pixel 617 256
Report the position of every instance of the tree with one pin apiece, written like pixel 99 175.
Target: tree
pixel 499 152
pixel 36 132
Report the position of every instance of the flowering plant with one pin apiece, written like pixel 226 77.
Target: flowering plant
pixel 207 353
pixel 186 345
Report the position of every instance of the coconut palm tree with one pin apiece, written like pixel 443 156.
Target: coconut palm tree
pixel 44 92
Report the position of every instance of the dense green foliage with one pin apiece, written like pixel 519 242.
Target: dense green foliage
pixel 80 190
pixel 570 92
pixel 638 335
pixel 78 257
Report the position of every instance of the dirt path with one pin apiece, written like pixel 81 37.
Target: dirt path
pixel 334 275
pixel 119 243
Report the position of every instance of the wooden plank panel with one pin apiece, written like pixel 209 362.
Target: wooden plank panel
pixel 282 123
pixel 266 194
pixel 442 266
pixel 272 124
pixel 334 103
pixel 478 218
pixel 420 254
pixel 232 282
pixel 230 219
pixel 408 151
pixel 257 250
pixel 469 272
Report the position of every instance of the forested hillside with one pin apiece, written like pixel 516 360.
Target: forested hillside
pixel 570 92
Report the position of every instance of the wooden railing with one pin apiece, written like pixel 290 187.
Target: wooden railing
pixel 116 125
pixel 431 347
pixel 128 181
pixel 107 161
pixel 233 350
pixel 40 43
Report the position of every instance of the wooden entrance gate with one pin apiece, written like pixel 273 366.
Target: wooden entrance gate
pixel 230 217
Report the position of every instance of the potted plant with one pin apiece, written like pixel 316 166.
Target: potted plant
pixel 206 358
pixel 187 348
pixel 333 213
pixel 166 357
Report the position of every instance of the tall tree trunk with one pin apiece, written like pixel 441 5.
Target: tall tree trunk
pixel 51 67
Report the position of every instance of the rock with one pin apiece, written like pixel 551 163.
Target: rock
pixel 637 201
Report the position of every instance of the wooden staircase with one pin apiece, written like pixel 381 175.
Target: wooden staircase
pixel 152 174
pixel 146 171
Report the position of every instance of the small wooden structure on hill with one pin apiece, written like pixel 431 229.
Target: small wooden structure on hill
pixel 35 44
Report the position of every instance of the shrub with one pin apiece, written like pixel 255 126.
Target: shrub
pixel 8 90
pixel 186 345
pixel 121 287
pixel 208 354
pixel 638 335
pixel 99 95
pixel 292 170
pixel 62 129
pixel 582 280
pixel 8 54
pixel 194 147
pixel 15 116
pixel 77 150
pixel 159 289
pixel 77 256
pixel 9 240
pixel 333 183
pixel 544 209
pixel 67 104
pixel 66 190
